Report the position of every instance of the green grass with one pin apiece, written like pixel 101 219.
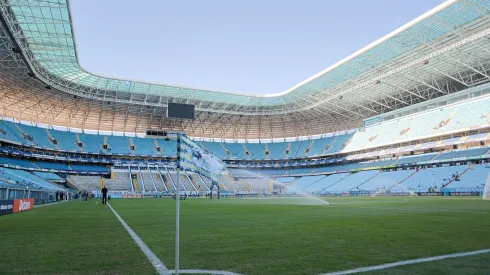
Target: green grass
pixel 250 236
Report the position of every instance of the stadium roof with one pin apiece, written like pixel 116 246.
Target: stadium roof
pixel 440 52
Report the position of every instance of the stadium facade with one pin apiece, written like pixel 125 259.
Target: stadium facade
pixel 408 113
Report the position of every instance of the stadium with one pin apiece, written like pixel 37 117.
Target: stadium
pixel 377 164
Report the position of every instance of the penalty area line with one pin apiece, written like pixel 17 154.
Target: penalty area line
pixel 159 266
pixel 409 262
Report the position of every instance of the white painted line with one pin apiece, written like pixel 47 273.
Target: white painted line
pixel 413 209
pixel 49 204
pixel 409 262
pixel 159 266
pixel 200 271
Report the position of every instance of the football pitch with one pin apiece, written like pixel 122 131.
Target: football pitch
pixel 250 236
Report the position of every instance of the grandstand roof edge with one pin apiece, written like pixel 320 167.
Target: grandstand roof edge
pixel 392 34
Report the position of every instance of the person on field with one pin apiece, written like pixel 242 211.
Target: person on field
pixel 104 195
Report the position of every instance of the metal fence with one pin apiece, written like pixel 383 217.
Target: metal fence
pixel 39 197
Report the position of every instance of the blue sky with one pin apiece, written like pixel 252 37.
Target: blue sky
pixel 251 46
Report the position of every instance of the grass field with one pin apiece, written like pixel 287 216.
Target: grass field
pixel 250 236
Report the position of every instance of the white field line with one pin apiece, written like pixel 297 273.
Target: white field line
pixel 159 266
pixel 49 204
pixel 200 271
pixel 412 209
pixel 409 262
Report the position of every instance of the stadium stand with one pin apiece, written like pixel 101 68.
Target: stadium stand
pixel 431 177
pixel 473 179
pixel 92 143
pixel 145 146
pixel 435 122
pixel 66 140
pixel 119 145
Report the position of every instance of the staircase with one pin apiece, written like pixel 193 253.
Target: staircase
pixel 313 183
pixel 51 139
pixel 329 145
pixel 326 187
pixel 460 175
pixel 157 145
pixel 401 182
pixel 366 180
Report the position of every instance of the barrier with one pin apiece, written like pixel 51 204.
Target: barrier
pixel 14 206
pixel 6 207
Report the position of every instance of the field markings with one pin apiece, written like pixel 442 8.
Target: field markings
pixel 409 262
pixel 49 204
pixel 157 263
pixel 412 209
pixel 200 271
pixel 159 266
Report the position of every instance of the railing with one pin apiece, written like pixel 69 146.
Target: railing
pixel 40 197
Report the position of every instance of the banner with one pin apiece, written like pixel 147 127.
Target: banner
pixel 193 158
pixel 23 205
pixel 131 196
pixel 6 207
pixel 14 206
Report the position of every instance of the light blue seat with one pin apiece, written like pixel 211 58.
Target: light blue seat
pixel 339 143
pixel 119 145
pixel 462 153
pixel 256 150
pixel 350 182
pixel 474 179
pixel 47 176
pixel 168 147
pixel 12 132
pixel 24 179
pixel 303 182
pixel 52 165
pixel 236 150
pixel 215 148
pixel 385 180
pixel 319 145
pixel 145 146
pixel 39 135
pixel 416 158
pixel 66 140
pixel 92 143
pixel 19 162
pixel 324 182
pixel 89 168
pixel 431 177
pixel 277 150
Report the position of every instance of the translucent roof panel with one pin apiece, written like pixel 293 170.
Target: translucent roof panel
pixel 48 30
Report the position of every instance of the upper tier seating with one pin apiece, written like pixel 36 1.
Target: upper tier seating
pixel 39 135
pixel 319 145
pixel 119 145
pixel 145 146
pixel 215 148
pixel 47 176
pixel 416 158
pixel 12 132
pixel 66 140
pixel 434 122
pixel 92 143
pixel 462 153
pixel 277 150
